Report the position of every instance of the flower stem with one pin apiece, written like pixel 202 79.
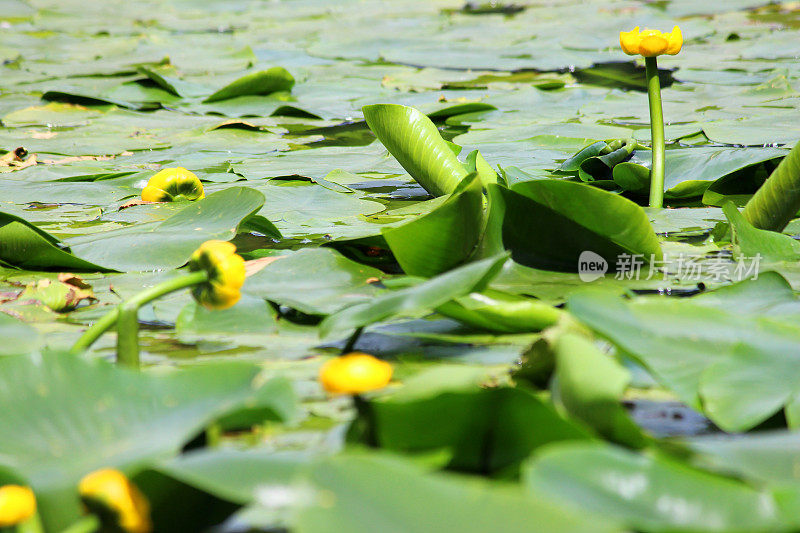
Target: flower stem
pixel 87 524
pixel 351 342
pixel 367 416
pixel 31 525
pixel 656 133
pixel 131 307
pixel 128 335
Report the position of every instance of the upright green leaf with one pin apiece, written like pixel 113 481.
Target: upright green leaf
pixel 778 200
pixel 444 238
pixel 550 223
pixel 753 242
pixel 591 385
pixel 414 141
pixel 476 163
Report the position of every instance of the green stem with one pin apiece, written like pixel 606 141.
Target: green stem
pixel 128 335
pixel 656 133
pixel 351 342
pixel 87 524
pixel 95 330
pixel 213 435
pixel 367 416
pixel 171 285
pixel 31 525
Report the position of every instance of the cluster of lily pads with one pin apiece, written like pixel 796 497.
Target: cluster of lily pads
pixel 365 291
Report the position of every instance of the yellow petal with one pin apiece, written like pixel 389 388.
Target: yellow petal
pixel 216 297
pixel 653 45
pixel 112 490
pixel 675 39
pixel 355 373
pixel 231 271
pixel 154 194
pixel 629 41
pixel 174 183
pixel 17 504
pixel 226 274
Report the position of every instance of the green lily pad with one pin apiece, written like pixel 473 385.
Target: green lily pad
pixel 93 413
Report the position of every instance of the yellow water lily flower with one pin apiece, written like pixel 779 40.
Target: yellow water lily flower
pixel 354 373
pixel 651 43
pixel 173 184
pixel 108 491
pixel 226 274
pixel 17 504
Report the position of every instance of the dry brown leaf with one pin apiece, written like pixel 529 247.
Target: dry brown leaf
pixel 14 156
pixel 73 159
pixel 74 280
pixel 14 160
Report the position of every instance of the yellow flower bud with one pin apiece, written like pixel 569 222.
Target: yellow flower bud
pixel 354 373
pixel 226 274
pixel 651 43
pixel 17 504
pixel 108 491
pixel 173 184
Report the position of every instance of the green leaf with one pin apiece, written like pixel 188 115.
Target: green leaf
pixel 168 244
pixel 371 493
pixel 596 161
pixel 691 171
pixel 501 312
pixel 487 431
pixel 24 245
pixel 755 383
pixel 54 114
pixel 701 347
pixel 235 475
pixel 414 141
pixel 591 386
pixel 416 299
pixel 250 318
pixel 764 457
pixel 549 223
pixel 262 82
pixel 649 493
pixel 753 242
pixel 315 281
pixel 18 337
pixel 573 164
pixel 778 200
pixel 444 238
pixel 73 416
pixel 476 163
pixel 601 167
